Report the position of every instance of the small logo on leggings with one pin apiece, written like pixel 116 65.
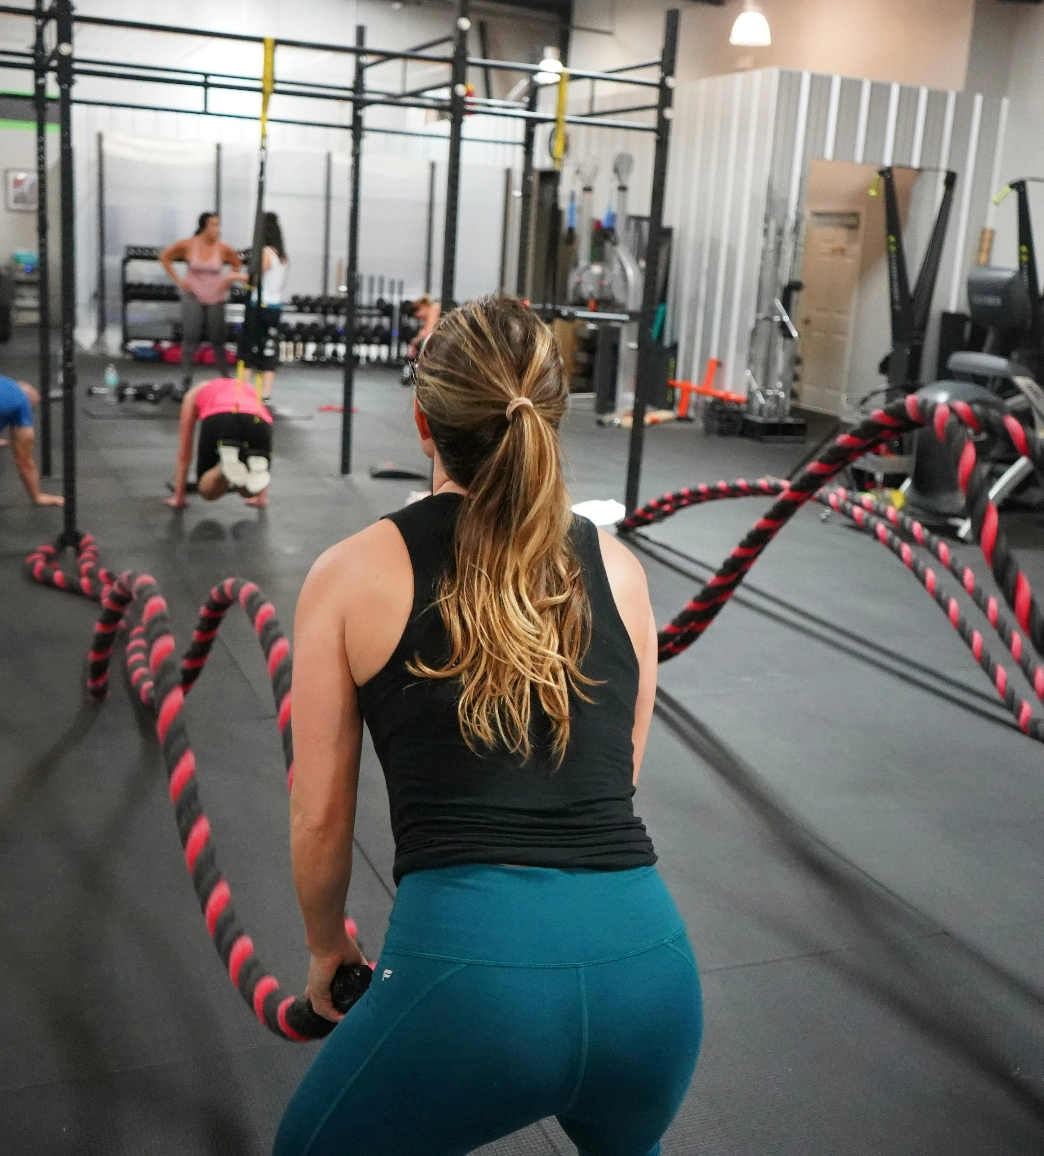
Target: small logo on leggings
pixel 387 972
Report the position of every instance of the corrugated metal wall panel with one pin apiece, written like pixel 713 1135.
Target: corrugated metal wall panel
pixel 736 189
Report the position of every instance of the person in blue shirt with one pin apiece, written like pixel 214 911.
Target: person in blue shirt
pixel 17 399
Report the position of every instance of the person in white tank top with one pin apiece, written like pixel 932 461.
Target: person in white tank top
pixel 273 276
pixel 274 267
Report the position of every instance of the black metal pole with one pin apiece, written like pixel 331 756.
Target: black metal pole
pixel 487 75
pixel 64 19
pixel 505 227
pixel 217 178
pixel 100 340
pixel 429 251
pixel 526 209
pixel 43 258
pixel 1028 265
pixel 458 91
pixel 650 295
pixel 351 275
pixel 327 202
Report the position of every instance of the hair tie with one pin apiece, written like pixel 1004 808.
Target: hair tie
pixel 516 403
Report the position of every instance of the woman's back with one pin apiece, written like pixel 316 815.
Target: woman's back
pixel 229 395
pixel 502 653
pixel 451 804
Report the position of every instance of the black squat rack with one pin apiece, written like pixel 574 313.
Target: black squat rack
pixel 52 54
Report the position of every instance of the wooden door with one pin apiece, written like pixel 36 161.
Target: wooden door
pixel 830 271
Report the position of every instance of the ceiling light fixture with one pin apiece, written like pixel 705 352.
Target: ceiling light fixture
pixel 751 29
pixel 550 66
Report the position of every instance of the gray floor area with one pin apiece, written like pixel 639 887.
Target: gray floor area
pixel 849 824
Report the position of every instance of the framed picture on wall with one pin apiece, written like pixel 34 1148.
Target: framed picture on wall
pixel 21 190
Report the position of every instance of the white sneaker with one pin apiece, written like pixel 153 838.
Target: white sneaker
pixel 235 471
pixel 258 476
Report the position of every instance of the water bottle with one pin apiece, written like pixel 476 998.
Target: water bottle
pixel 112 378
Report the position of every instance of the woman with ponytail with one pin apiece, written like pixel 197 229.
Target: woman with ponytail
pixel 502 654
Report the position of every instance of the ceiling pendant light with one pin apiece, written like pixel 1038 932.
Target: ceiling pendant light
pixel 550 67
pixel 751 29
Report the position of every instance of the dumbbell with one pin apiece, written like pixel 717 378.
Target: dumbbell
pixel 154 394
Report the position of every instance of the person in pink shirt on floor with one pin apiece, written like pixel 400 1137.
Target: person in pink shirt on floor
pixel 235 443
pixel 204 288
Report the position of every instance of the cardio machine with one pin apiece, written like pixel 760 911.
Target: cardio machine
pixel 1007 304
pixel 910 311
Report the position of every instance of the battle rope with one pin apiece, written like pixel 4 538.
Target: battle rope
pixel 876 519
pixel 162 682
pixel 1029 723
pixel 996 617
pixel 880 520
pixel 950 423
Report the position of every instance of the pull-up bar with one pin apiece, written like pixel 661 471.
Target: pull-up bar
pixel 574 73
pixel 380 55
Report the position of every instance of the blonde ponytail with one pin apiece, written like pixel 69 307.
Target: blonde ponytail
pixel 491 385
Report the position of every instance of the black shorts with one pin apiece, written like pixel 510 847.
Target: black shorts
pixel 268 355
pixel 252 434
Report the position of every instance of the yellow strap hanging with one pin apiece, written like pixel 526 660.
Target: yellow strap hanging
pixel 560 118
pixel 267 83
pixel 1002 194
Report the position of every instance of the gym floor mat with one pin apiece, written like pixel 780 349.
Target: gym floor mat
pixel 857 858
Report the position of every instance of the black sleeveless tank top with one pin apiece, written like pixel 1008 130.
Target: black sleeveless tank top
pixel 451 805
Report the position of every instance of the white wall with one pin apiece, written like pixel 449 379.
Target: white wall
pixel 330 22
pixel 150 202
pixel 740 153
pixel 18 229
pixel 1008 45
pixel 918 42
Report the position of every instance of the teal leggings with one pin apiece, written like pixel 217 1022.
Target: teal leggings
pixel 505 995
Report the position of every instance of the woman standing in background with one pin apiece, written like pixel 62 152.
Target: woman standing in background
pixel 274 263
pixel 204 289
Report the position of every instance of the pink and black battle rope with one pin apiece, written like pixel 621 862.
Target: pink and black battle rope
pixel 987 603
pixel 162 682
pixel 877 519
pixel 951 424
pixel 1029 723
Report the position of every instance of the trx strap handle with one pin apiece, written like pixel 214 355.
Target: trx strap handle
pixel 267 84
pixel 162 681
pixel 252 339
pixel 559 150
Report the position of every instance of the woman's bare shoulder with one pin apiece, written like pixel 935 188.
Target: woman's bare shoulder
pixel 363 586
pixel 626 574
pixel 355 567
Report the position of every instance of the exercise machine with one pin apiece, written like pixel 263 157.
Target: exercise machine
pixel 1007 304
pixel 768 417
pixel 910 311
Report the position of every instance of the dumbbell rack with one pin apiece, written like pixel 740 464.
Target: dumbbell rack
pixel 384 326
pixel 164 291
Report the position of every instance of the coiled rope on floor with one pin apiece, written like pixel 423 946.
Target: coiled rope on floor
pixel 952 425
pixel 162 682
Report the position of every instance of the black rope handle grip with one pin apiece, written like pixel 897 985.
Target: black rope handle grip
pixel 162 681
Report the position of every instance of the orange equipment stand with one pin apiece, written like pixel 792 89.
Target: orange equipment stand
pixel 705 389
